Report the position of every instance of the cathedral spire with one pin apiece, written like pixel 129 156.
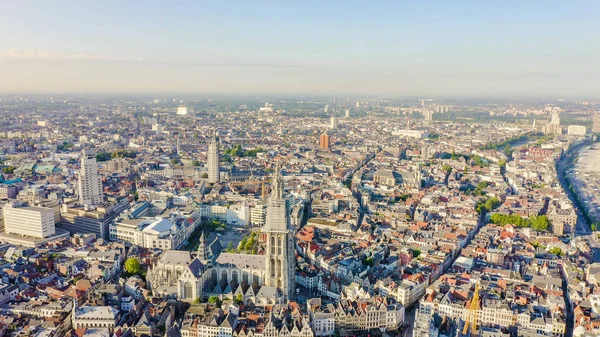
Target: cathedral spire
pixel 203 248
pixel 277 183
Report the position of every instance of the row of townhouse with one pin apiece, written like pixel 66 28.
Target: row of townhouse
pixel 365 314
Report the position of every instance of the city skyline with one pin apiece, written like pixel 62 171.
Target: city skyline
pixel 495 49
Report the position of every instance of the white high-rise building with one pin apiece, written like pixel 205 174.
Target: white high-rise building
pixel 555 117
pixel 281 263
pixel 428 114
pixel 326 109
pixel 90 182
pixel 554 127
pixel 347 113
pixel 333 122
pixel 213 160
pixel 37 222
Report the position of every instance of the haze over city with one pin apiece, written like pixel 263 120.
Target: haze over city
pixel 443 48
pixel 299 169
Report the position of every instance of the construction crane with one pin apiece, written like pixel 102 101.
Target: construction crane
pixel 471 319
pixel 254 182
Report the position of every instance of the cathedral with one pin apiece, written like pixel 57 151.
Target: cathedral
pixel 260 279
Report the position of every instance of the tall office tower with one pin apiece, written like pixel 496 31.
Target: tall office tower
pixel 213 160
pixel 324 142
pixel 347 113
pixel 358 104
pixel 596 124
pixel 333 122
pixel 90 182
pixel 326 108
pixel 281 263
pixel 29 221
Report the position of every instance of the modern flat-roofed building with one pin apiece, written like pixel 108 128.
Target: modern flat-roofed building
pixel 94 317
pixel 576 130
pixel 37 222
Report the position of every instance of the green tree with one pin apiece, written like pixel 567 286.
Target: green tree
pixel 556 251
pixel 102 156
pixel 479 161
pixel 204 175
pixel 197 300
pixel 132 266
pixel 242 243
pixel 492 203
pixel 482 185
pixel 539 223
pixel 9 169
pixel 197 163
pixel 230 248
pixel 249 244
pixel 416 253
pixel 368 261
pixel 215 300
pixel 239 299
pixel 508 151
pixel 447 168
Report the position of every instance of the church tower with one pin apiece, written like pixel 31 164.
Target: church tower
pixel 203 253
pixel 280 259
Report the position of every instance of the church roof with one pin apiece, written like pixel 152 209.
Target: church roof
pixel 270 292
pixel 242 261
pixel 215 247
pixel 175 257
pixel 196 267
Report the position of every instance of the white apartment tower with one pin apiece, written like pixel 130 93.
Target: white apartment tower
pixel 333 122
pixel 281 262
pixel 37 222
pixel 428 114
pixel 213 160
pixel 555 117
pixel 90 182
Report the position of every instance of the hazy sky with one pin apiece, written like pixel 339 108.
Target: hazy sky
pixel 473 48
